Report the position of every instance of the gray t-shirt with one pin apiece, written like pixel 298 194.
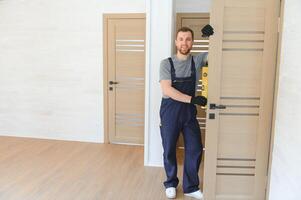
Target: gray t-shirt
pixel 182 67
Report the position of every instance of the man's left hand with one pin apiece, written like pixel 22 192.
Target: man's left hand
pixel 207 30
pixel 199 100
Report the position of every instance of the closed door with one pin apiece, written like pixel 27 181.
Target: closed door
pixel 196 21
pixel 242 62
pixel 124 77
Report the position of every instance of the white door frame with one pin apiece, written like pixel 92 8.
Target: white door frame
pixel 276 85
pixel 159 32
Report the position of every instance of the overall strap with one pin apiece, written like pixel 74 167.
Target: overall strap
pixel 193 71
pixel 172 69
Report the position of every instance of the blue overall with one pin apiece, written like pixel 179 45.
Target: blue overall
pixel 176 117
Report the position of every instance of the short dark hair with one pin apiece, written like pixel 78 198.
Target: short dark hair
pixel 185 29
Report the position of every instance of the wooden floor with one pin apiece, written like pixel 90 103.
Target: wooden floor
pixel 33 169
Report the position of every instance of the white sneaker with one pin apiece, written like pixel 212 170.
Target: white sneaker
pixel 197 194
pixel 171 192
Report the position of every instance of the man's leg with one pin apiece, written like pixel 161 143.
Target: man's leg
pixel 170 134
pixel 193 156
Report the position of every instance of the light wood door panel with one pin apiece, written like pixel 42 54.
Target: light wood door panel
pixel 242 63
pixel 126 70
pixel 241 77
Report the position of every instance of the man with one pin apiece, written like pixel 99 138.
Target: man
pixel 178 79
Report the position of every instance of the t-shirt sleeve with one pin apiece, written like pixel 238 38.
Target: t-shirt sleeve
pixel 165 70
pixel 201 59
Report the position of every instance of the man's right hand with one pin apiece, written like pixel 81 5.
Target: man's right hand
pixel 199 100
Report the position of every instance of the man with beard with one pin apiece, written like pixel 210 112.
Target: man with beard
pixel 179 76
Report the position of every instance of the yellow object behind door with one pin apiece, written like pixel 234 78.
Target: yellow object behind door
pixel 204 78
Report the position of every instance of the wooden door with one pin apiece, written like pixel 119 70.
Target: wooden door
pixel 196 21
pixel 242 62
pixel 124 77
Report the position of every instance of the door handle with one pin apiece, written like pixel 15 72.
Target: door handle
pixel 113 82
pixel 213 106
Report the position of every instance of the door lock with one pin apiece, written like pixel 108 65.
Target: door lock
pixel 213 106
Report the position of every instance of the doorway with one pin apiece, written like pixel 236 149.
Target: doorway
pixel 195 21
pixel 238 117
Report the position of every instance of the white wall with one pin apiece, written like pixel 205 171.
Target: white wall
pixel 51 71
pixel 160 34
pixel 51 67
pixel 193 6
pixel 285 180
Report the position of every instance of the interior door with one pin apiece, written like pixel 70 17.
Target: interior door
pixel 125 78
pixel 242 62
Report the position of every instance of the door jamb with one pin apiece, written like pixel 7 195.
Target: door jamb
pixel 276 85
pixel 105 76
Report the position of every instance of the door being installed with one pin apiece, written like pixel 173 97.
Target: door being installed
pixel 242 62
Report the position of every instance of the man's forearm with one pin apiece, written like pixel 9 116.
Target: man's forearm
pixel 177 95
